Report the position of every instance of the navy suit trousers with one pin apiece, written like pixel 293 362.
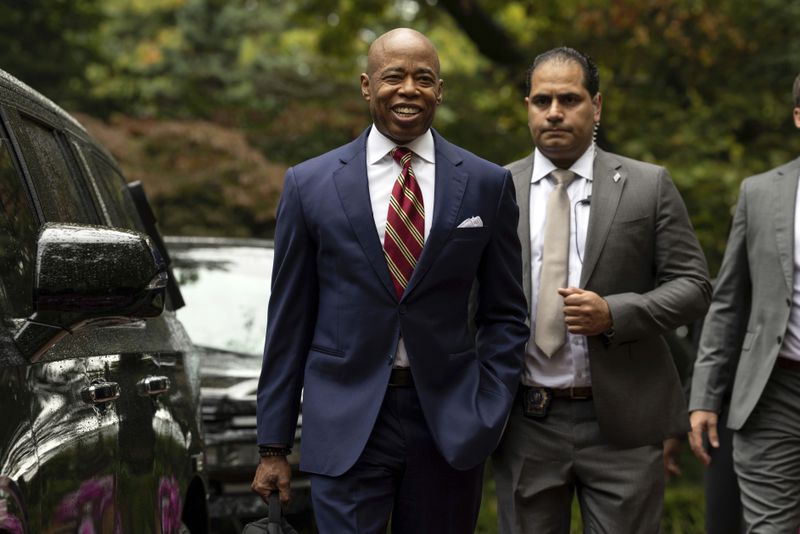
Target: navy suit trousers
pixel 400 475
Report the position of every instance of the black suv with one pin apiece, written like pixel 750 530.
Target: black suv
pixel 101 428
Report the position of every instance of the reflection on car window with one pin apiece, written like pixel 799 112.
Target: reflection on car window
pixel 59 193
pixel 113 191
pixel 17 240
pixel 226 292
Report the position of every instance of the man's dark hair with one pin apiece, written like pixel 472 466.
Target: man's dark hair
pixel 591 76
pixel 796 91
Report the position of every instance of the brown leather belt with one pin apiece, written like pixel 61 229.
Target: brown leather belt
pixel 401 378
pixel 787 364
pixel 579 393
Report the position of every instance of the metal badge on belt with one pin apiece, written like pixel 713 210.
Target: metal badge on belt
pixel 536 402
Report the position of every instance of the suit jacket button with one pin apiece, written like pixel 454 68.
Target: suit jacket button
pixel 402 309
pixel 779 340
pixel 789 302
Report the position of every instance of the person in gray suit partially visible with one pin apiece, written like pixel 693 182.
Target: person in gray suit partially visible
pixel 753 330
pixel 599 389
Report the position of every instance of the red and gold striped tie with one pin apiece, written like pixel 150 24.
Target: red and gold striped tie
pixel 405 223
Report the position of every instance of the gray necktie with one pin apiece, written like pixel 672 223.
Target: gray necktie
pixel 551 331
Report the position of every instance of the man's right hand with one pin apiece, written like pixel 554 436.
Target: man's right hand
pixel 273 473
pixel 703 421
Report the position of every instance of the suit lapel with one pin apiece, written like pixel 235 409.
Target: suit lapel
pixel 608 183
pixel 785 196
pixel 521 173
pixel 449 187
pixel 353 190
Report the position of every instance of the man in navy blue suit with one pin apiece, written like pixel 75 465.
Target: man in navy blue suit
pixel 378 245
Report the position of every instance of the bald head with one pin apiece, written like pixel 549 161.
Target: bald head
pixel 402 84
pixel 394 42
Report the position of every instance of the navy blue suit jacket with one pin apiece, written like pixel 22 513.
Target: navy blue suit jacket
pixel 335 320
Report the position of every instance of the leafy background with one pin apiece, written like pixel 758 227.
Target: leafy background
pixel 209 101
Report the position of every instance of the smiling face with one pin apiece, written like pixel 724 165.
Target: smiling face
pixel 402 84
pixel 561 112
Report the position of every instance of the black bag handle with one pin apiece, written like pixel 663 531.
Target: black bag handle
pixel 274 522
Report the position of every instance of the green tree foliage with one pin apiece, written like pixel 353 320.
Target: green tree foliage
pixel 49 43
pixel 701 86
pixel 192 58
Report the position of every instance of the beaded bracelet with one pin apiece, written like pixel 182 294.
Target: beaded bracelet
pixel 265 450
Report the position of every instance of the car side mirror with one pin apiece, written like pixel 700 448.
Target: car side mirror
pixel 90 274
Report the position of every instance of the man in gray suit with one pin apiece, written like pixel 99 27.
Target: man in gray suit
pixel 753 330
pixel 594 405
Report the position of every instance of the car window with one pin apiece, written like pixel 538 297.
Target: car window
pixel 226 290
pixel 112 191
pixel 58 191
pixel 18 230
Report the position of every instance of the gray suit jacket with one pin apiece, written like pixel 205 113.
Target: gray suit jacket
pixel 642 256
pixel 750 310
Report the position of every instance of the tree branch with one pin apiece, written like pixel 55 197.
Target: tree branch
pixel 491 39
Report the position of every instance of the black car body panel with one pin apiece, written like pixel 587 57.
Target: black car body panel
pixel 101 429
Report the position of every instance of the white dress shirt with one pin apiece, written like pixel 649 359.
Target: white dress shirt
pixel 791 340
pixel 382 172
pixel 569 367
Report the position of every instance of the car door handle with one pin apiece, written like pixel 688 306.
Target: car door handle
pixel 152 386
pixel 101 392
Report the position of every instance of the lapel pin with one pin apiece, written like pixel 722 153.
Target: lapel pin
pixel 616 177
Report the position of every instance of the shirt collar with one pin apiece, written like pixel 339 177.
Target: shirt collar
pixel 583 166
pixel 378 146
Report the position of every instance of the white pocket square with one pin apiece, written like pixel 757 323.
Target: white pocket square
pixel 472 222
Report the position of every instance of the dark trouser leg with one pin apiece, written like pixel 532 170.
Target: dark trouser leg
pixel 723 505
pixel 767 459
pixel 432 496
pixel 400 474
pixel 540 464
pixel 533 474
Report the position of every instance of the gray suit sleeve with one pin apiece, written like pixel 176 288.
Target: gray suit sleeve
pixel 724 328
pixel 682 290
